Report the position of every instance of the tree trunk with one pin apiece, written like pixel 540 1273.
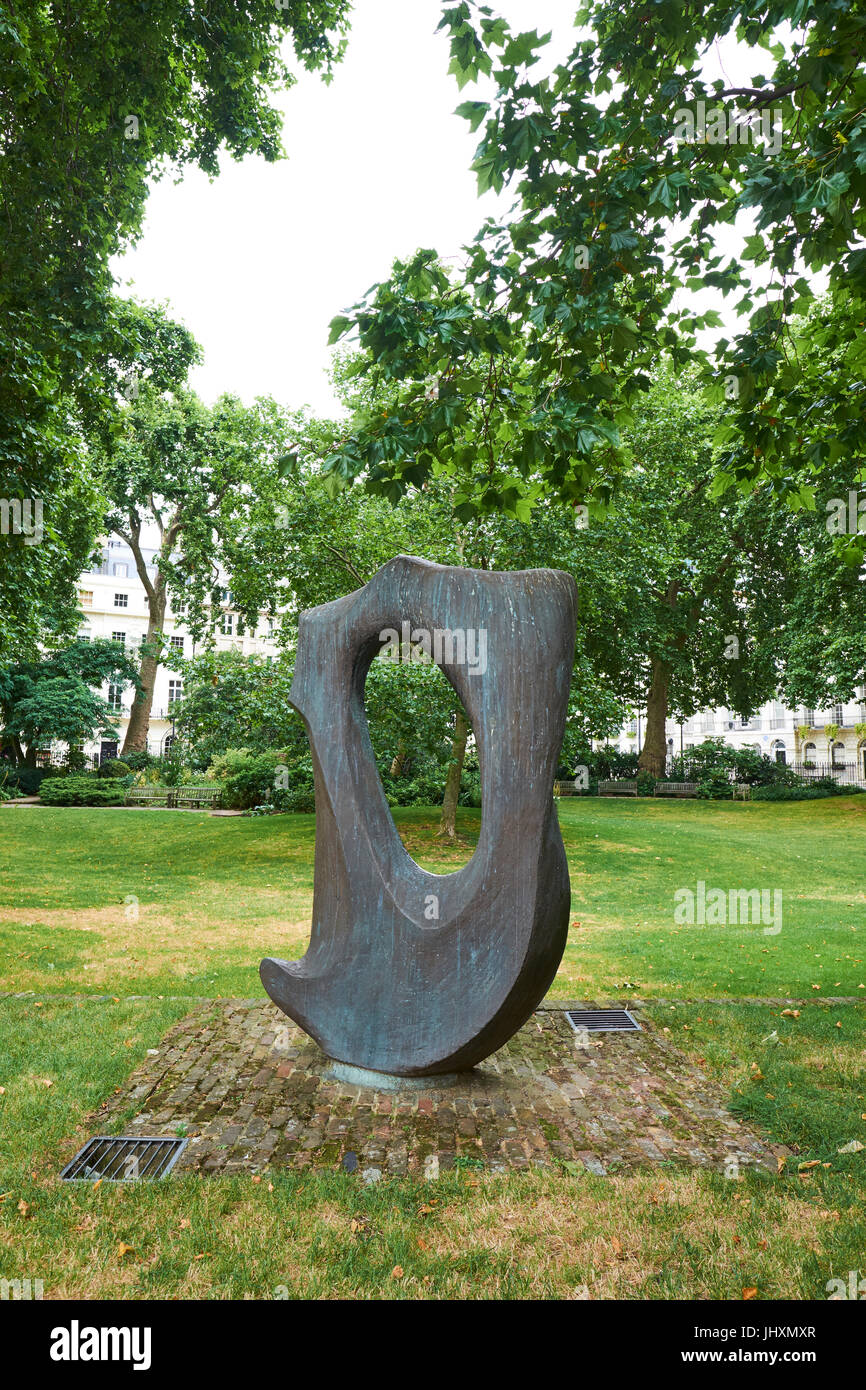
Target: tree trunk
pixel 653 756
pixel 448 821
pixel 399 761
pixel 139 715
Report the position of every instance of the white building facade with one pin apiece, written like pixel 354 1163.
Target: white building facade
pixel 114 606
pixel 814 742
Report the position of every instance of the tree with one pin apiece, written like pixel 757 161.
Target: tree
pixel 548 335
pixel 97 101
pixel 196 474
pixel 236 701
pixel 54 698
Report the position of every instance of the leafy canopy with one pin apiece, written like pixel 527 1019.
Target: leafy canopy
pixel 518 374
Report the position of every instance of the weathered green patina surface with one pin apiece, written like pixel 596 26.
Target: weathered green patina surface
pixel 408 972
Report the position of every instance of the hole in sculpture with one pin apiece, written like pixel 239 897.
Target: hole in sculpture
pixel 418 728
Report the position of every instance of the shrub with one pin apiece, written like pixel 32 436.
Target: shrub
pixel 171 771
pixel 810 793
pixel 470 788
pixel 113 767
pixel 714 785
pixel 300 799
pixel 82 791
pixel 138 761
pixel 249 779
pixel 25 779
pixel 424 788
pixel 603 764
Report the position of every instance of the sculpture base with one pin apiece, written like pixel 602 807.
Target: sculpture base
pixel 388 1081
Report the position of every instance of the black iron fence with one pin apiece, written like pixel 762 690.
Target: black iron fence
pixel 846 774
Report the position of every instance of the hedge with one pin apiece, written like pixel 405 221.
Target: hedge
pixel 801 793
pixel 82 791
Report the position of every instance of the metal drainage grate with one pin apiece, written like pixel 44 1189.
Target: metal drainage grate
pixel 123 1159
pixel 603 1020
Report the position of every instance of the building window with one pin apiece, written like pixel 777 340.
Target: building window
pixel 809 718
pixel 115 700
pixel 119 571
pixel 85 598
pixel 227 624
pixel 121 600
pixel 177 643
pixel 84 636
pixel 779 751
pixel 810 755
pixel 837 755
pixel 838 714
pixel 175 692
pixel 119 637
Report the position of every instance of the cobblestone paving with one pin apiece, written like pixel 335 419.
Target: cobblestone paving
pixel 251 1090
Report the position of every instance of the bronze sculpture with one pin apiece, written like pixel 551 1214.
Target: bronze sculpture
pixel 385 984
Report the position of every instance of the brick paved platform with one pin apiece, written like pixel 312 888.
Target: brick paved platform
pixel 252 1090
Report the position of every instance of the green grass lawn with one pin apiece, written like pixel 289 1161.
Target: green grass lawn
pixel 653 1234
pixel 157 903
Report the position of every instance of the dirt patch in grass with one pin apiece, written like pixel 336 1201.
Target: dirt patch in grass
pixel 616 1239
pixel 147 943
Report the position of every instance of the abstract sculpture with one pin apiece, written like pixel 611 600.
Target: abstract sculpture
pixel 387 984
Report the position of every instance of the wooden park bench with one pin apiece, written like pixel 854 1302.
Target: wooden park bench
pixel 173 797
pixel 563 788
pixel 676 789
pixel 150 796
pixel 742 791
pixel 196 796
pixel 618 788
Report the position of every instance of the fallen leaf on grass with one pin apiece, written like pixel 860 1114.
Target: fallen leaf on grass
pixel 397 1272
pixel 749 1294
pixel 124 1249
pixel 854 1147
pixel 25 1208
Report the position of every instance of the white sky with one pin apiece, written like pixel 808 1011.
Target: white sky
pixel 257 262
